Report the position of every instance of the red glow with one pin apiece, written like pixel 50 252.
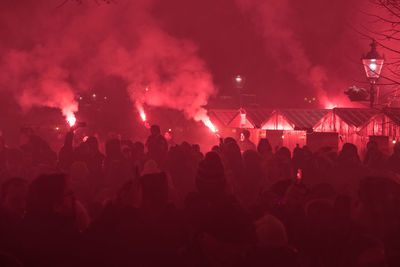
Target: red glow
pixel 330 105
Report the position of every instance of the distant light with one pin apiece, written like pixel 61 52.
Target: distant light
pixel 239 79
pixel 394 142
pixel 84 139
pixel 147 89
pixel 94 95
pixel 169 130
pixel 80 98
pixel 57 128
pixel 283 137
pixel 105 98
pixel 305 99
pixel 313 98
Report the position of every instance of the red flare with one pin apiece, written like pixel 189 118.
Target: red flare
pixel 207 122
pixel 71 119
pixel 143 115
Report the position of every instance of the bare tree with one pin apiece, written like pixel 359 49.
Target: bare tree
pixel 98 2
pixel 384 27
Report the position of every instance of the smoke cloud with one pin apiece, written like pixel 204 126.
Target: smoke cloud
pixel 51 53
pixel 275 21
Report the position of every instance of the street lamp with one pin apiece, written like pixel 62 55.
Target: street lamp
pixel 372 63
pixel 238 81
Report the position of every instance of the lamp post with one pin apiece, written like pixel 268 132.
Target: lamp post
pixel 238 83
pixel 372 63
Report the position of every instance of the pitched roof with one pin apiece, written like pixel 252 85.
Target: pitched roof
pixel 393 114
pixel 241 122
pixel 355 116
pixel 224 116
pixel 259 115
pixel 304 119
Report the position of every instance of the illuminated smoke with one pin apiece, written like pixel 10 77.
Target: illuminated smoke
pixel 163 72
pixel 38 81
pixel 67 49
pixel 274 20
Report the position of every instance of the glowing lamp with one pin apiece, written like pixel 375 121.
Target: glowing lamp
pixel 373 63
pixel 239 81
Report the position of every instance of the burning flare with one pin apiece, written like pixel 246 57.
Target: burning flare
pixel 207 122
pixel 71 119
pixel 141 111
pixel 201 115
pixel 143 115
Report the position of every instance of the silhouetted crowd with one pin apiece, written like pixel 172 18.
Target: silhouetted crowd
pixel 152 204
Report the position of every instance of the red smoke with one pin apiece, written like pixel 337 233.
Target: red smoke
pixel 67 49
pixel 277 22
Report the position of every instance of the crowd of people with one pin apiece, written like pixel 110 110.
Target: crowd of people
pixel 151 204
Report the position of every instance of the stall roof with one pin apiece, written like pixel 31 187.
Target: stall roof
pixel 393 114
pixel 355 116
pixel 258 116
pixel 304 119
pixel 224 116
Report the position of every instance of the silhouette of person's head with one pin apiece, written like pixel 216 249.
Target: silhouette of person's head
pixel 348 154
pixel 229 140
pixel 196 148
pixel 155 130
pixel 92 143
pixel 283 153
pixel 372 145
pixel 45 194
pixel 264 147
pixel 210 178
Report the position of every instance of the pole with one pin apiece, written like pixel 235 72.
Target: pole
pixel 372 95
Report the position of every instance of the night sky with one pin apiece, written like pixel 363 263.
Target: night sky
pixel 183 52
